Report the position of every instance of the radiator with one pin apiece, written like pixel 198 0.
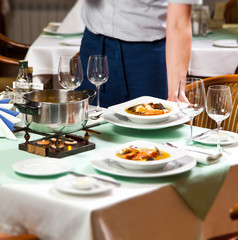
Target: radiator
pixel 27 18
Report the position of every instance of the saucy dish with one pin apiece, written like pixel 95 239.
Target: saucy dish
pixel 149 109
pixel 142 154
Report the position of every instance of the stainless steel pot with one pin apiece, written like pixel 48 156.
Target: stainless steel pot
pixel 56 111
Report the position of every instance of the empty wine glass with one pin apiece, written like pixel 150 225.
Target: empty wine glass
pixel 70 72
pixel 191 99
pixel 97 73
pixel 219 106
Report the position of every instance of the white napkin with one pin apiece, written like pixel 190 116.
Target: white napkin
pixel 73 23
pixel 7 119
pixel 201 155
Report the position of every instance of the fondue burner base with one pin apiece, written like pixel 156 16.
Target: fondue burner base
pixel 82 145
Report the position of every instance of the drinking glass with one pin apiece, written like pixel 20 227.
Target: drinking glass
pixel 97 73
pixel 191 99
pixel 70 72
pixel 219 106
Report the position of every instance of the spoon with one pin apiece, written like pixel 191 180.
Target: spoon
pixel 95 117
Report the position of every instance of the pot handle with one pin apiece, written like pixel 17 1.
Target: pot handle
pixel 26 109
pixel 91 94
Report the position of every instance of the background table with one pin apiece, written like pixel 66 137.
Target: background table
pixel 206 60
pixel 139 209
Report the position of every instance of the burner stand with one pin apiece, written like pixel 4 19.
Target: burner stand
pixel 56 146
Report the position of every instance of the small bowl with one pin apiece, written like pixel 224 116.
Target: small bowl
pixel 146 165
pixel 121 110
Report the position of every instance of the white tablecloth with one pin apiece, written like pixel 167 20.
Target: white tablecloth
pixel 208 60
pixel 146 210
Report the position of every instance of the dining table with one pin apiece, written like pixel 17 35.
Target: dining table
pixel 207 59
pixel 191 203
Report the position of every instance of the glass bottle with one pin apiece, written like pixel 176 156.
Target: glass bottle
pixel 30 77
pixel 22 81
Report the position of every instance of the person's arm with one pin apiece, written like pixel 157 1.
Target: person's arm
pixel 178 45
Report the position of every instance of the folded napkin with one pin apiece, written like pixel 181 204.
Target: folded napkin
pixel 8 119
pixel 73 23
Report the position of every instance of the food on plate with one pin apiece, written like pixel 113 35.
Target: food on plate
pixel 82 183
pixel 149 109
pixel 142 154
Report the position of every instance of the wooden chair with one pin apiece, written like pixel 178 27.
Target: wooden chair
pixel 233 213
pixel 20 237
pixel 231 123
pixel 231 12
pixel 10 53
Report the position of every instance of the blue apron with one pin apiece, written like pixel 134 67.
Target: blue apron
pixel 135 68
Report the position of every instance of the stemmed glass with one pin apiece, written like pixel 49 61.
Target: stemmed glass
pixel 97 73
pixel 219 106
pixel 191 99
pixel 70 72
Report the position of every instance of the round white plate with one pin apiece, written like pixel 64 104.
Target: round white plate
pixel 123 121
pixel 228 43
pixel 71 41
pixel 172 168
pixel 64 184
pixel 211 138
pixel 145 165
pixel 120 109
pixel 41 166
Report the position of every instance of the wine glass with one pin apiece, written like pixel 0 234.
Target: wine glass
pixel 191 99
pixel 97 73
pixel 70 72
pixel 219 106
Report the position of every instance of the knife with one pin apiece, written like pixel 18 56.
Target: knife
pixel 95 177
pixel 201 134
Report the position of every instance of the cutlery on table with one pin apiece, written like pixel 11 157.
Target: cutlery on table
pixel 95 177
pixel 204 133
pixel 210 155
pixel 95 117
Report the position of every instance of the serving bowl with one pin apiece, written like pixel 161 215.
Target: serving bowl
pixel 121 110
pixel 153 165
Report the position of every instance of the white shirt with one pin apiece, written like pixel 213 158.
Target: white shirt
pixel 129 20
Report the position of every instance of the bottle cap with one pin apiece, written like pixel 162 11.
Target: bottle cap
pixel 23 64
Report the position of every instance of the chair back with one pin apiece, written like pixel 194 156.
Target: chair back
pixel 231 11
pixel 10 53
pixel 231 123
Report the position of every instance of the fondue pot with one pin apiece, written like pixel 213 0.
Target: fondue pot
pixel 56 110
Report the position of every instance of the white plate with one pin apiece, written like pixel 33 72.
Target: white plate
pixel 71 41
pixel 64 184
pixel 51 31
pixel 120 109
pixel 122 121
pixel 145 165
pixel 229 43
pixel 172 168
pixel 211 138
pixel 41 166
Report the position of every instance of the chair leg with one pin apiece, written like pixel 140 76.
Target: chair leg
pixel 229 236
